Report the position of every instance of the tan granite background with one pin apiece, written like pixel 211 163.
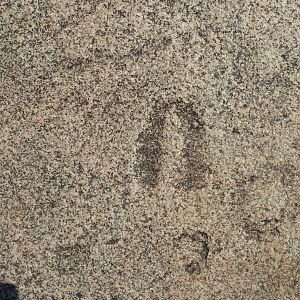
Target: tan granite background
pixel 150 149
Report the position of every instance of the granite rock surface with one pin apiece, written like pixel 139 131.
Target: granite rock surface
pixel 150 149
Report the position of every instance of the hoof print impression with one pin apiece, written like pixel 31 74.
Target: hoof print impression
pixel 153 145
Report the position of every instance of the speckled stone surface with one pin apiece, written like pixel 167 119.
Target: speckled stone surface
pixel 150 149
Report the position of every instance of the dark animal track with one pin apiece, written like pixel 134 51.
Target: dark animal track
pixel 150 151
pixel 193 250
pixel 194 151
pixel 202 239
pixel 261 231
pixel 151 140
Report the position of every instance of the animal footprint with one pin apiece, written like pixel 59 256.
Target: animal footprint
pixel 192 250
pixel 171 162
pixel 172 149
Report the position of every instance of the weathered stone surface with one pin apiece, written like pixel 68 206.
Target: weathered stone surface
pixel 150 149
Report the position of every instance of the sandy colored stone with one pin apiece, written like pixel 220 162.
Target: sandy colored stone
pixel 150 149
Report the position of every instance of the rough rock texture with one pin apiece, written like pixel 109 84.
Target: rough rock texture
pixel 150 149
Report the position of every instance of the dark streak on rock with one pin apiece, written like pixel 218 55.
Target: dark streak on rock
pixel 259 231
pixel 194 151
pixel 112 241
pixel 150 151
